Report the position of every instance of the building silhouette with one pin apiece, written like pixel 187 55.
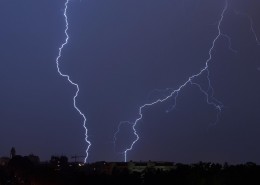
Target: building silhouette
pixel 12 152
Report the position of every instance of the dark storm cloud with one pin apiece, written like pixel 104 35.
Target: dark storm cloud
pixel 119 52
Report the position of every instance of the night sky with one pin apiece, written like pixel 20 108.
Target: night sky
pixel 123 54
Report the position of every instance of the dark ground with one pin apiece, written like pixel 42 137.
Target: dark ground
pixel 58 171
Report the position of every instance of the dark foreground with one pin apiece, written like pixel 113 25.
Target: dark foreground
pixel 20 170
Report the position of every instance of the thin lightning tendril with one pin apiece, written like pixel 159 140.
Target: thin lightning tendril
pixel 70 81
pixel 251 26
pixel 174 93
pixel 229 42
pixel 253 30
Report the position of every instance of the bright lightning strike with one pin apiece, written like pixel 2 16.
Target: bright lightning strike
pixel 68 77
pixel 174 93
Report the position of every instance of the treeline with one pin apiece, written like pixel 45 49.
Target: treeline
pixel 21 170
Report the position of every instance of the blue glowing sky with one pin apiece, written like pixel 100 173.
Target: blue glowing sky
pixel 121 53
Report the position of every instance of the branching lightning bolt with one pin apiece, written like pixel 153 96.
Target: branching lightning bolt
pixel 69 79
pixel 174 93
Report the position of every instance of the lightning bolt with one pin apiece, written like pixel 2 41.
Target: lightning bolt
pixel 69 79
pixel 209 93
